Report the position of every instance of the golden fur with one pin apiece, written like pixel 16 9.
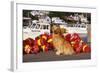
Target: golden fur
pixel 60 44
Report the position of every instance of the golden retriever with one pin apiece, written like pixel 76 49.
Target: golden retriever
pixel 61 46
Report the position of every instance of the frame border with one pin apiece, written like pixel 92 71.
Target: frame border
pixel 14 38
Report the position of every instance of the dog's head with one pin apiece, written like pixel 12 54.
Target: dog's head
pixel 57 30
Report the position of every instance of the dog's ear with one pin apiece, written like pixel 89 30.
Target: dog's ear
pixel 52 28
pixel 63 30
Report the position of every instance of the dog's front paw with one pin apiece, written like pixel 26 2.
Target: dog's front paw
pixel 71 52
pixel 57 53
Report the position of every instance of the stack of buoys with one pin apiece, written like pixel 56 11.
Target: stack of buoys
pixel 42 43
pixel 77 43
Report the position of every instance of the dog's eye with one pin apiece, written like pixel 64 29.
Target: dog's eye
pixel 55 31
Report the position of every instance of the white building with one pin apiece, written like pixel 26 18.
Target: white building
pixel 44 19
pixel 83 19
pixel 58 20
